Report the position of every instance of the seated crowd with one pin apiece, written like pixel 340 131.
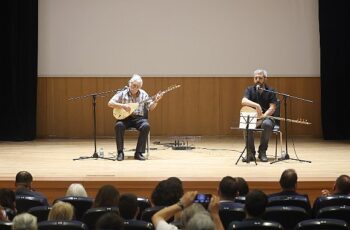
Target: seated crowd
pixel 169 207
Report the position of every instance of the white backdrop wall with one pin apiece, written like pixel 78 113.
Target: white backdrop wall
pixel 178 37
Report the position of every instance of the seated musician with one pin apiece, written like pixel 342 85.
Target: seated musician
pixel 136 119
pixel 265 104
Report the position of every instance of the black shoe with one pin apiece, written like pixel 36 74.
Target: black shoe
pixel 262 157
pixel 120 156
pixel 138 156
pixel 250 158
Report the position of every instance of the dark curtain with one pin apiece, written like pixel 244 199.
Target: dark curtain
pixel 335 68
pixel 19 69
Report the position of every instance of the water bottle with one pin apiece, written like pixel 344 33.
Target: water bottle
pixel 101 152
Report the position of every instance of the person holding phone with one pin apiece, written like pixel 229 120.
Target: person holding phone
pixel 159 219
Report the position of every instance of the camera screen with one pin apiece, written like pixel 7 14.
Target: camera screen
pixel 203 199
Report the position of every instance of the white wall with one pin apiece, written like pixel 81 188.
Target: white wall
pixel 178 37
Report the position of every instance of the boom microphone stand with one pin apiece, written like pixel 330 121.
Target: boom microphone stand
pixel 94 96
pixel 285 97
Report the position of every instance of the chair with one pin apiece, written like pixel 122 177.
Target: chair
pixel 137 225
pixel 5 225
pixel 142 203
pixel 287 216
pixel 335 212
pixel 240 199
pixel 332 200
pixel 254 225
pixel 81 204
pixel 149 212
pixel 276 130
pixel 147 142
pixel 41 212
pixel 230 211
pixel 24 203
pixel 91 216
pixel 290 200
pixel 322 224
pixel 61 225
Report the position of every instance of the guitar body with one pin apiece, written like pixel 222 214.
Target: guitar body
pixel 121 114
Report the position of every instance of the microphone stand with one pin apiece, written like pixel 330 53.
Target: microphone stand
pixel 285 97
pixel 94 96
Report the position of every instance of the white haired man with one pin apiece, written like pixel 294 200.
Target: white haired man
pixel 138 119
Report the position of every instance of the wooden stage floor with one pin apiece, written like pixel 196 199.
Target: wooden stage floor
pixel 52 165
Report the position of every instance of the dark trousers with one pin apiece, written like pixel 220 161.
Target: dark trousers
pixel 138 122
pixel 267 126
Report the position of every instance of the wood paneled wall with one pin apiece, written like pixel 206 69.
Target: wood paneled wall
pixel 201 106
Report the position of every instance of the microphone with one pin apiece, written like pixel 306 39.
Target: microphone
pixel 258 87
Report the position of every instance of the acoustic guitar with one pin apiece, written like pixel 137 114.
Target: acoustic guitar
pixel 250 110
pixel 121 114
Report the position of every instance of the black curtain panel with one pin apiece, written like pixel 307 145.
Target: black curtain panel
pixel 335 68
pixel 19 51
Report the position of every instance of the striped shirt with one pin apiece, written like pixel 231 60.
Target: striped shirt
pixel 125 97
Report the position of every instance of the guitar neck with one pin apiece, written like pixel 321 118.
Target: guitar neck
pixel 290 120
pixel 161 92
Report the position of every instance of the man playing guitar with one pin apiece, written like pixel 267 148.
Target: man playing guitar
pixel 265 104
pixel 136 117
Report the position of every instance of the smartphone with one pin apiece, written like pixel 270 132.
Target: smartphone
pixel 203 199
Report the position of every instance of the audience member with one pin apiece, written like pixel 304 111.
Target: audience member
pixel 76 189
pixel 243 187
pixel 24 186
pixel 61 211
pixel 3 216
pixel 228 189
pixel 24 221
pixel 255 204
pixel 107 196
pixel 128 207
pixel 167 192
pixel 201 221
pixel 189 210
pixel 341 186
pixel 8 199
pixel 288 182
pixel 110 220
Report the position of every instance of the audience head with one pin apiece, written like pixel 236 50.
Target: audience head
pixel 228 188
pixel 107 196
pixel 76 190
pixel 342 185
pixel 201 221
pixel 7 198
pixel 24 179
pixel 189 212
pixel 167 192
pixel 243 187
pixel 24 221
pixel 61 211
pixel 288 180
pixel 128 206
pixel 255 203
pixel 110 220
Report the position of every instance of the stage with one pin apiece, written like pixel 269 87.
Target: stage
pixel 51 162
